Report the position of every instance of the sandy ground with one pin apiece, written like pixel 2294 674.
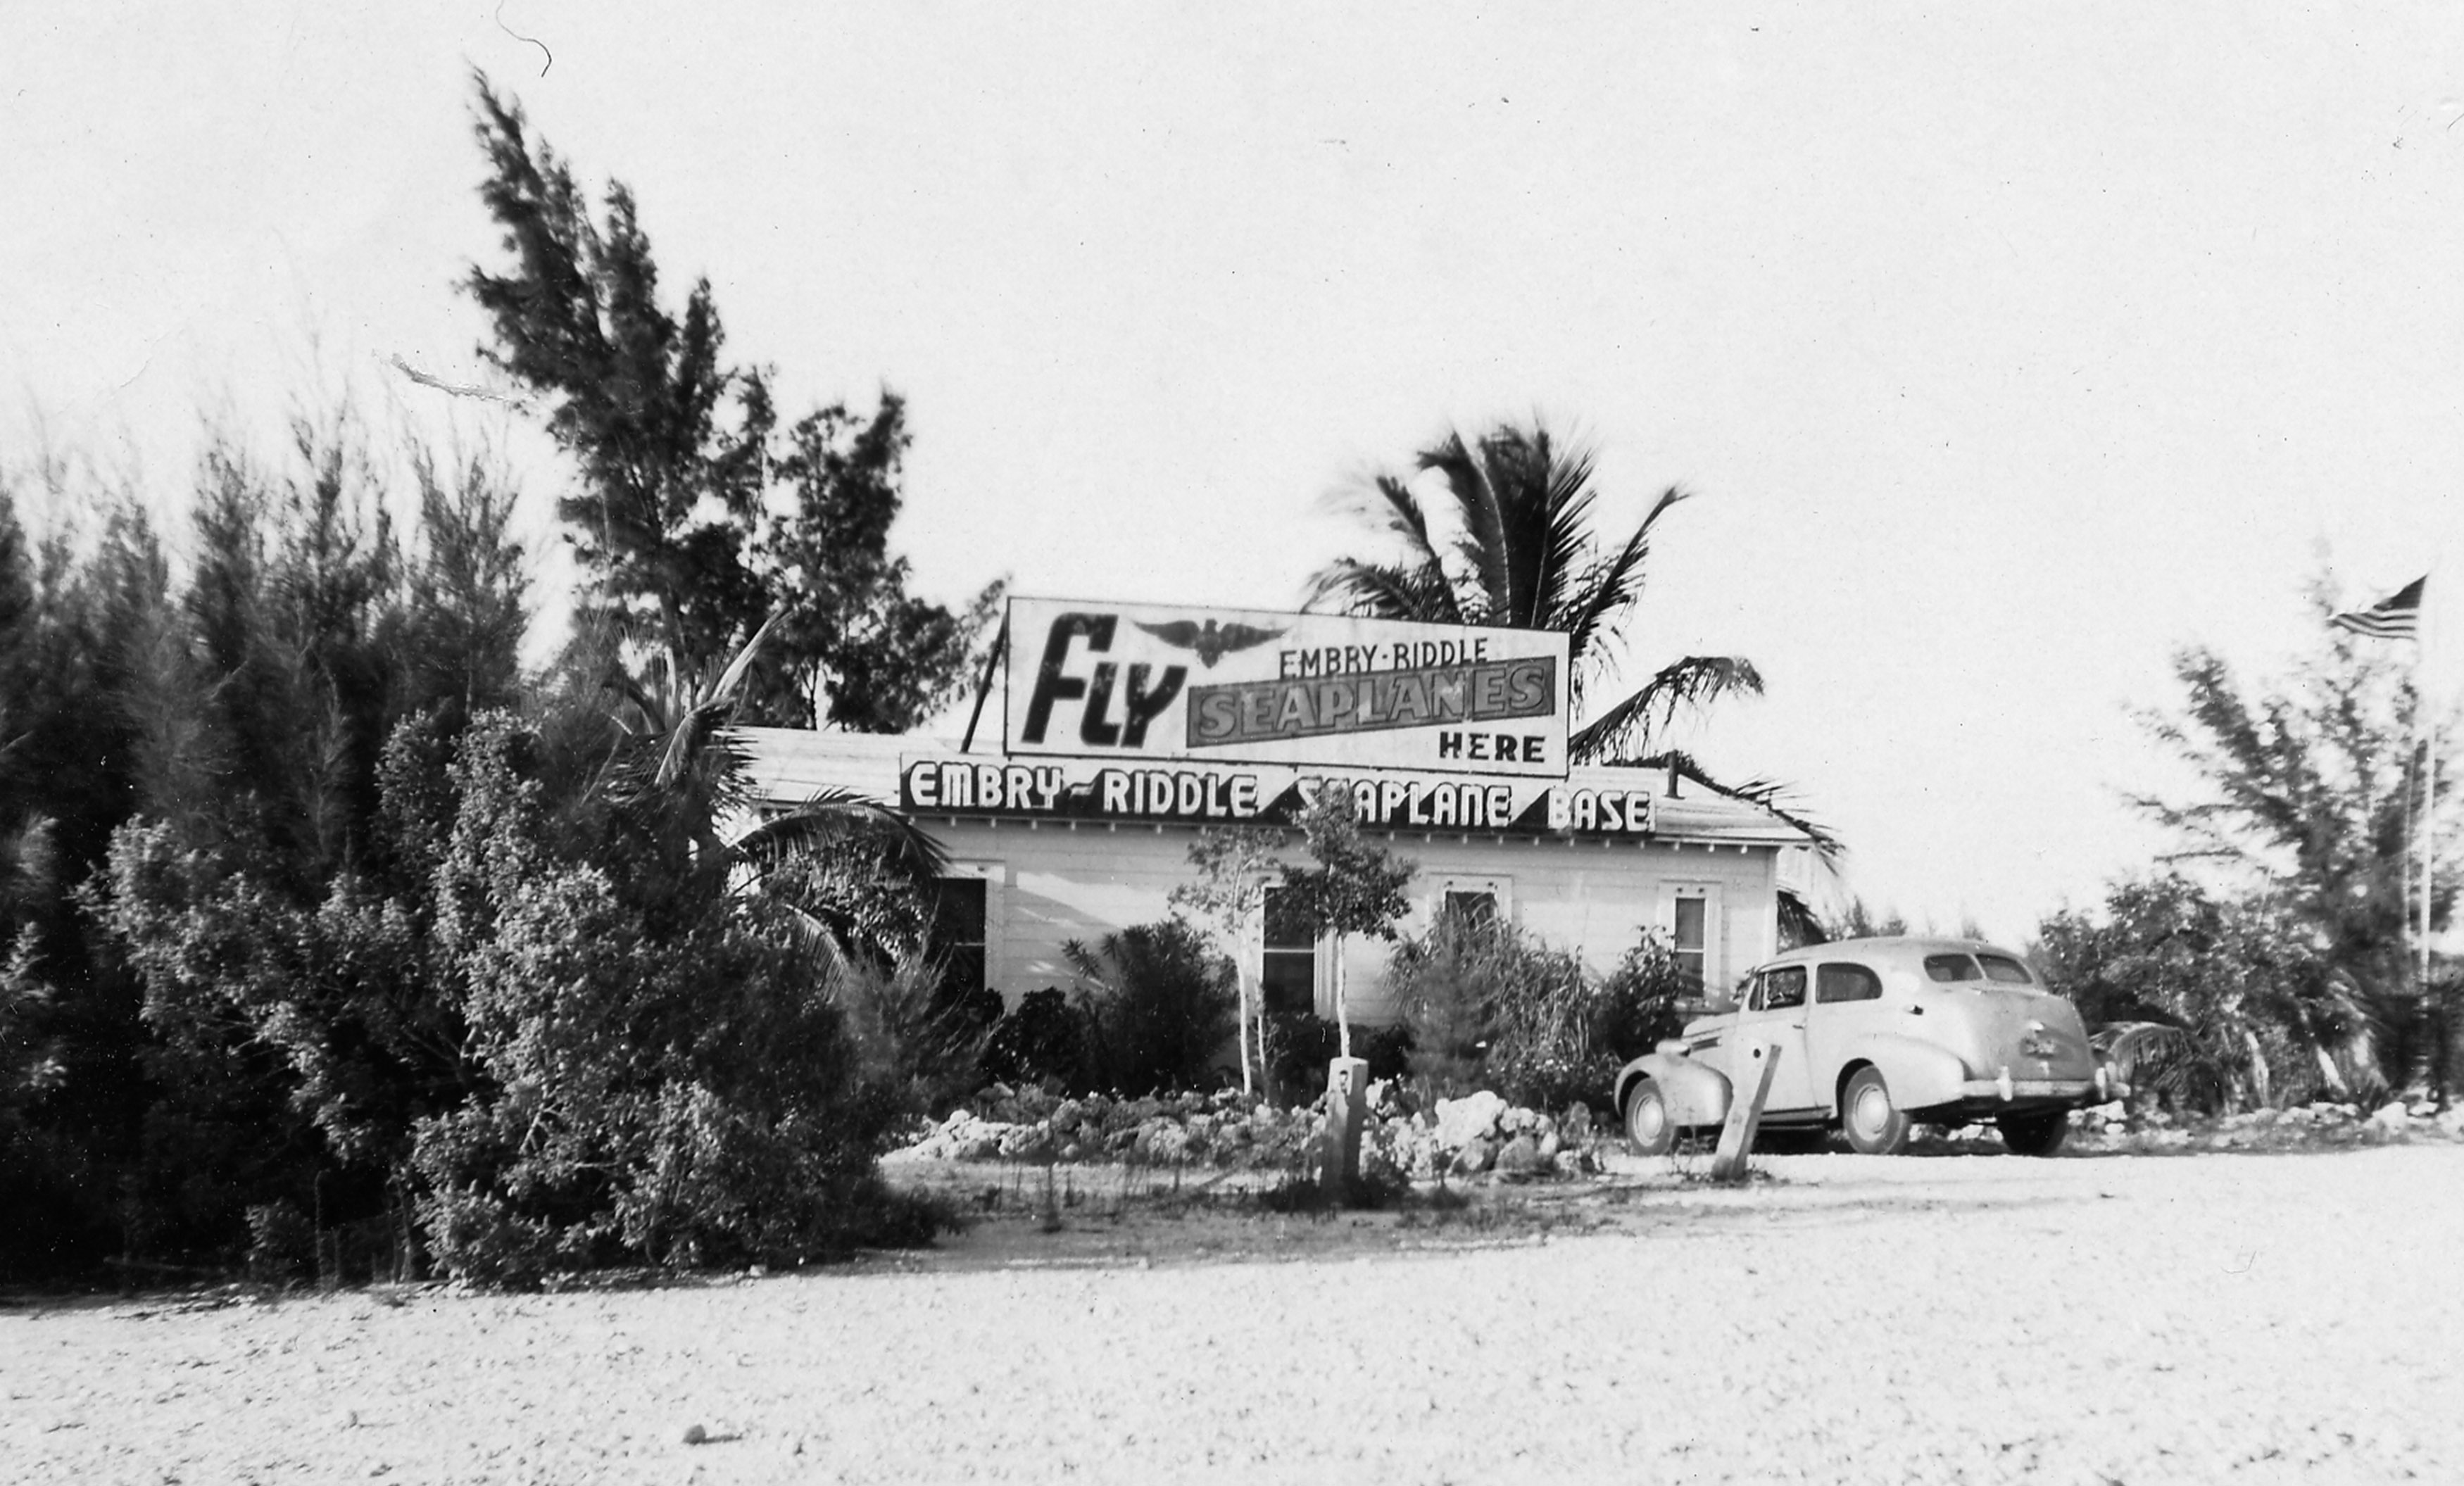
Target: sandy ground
pixel 2239 1318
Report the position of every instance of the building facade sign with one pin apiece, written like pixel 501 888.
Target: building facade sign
pixel 1149 684
pixel 1186 794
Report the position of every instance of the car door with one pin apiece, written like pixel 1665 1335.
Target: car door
pixel 1774 1012
pixel 1847 1010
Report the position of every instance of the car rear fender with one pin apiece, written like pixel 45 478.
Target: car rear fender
pixel 1920 1074
pixel 1694 1092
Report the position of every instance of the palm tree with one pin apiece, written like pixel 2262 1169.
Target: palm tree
pixel 677 776
pixel 1525 556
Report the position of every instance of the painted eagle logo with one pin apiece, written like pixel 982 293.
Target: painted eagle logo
pixel 1211 640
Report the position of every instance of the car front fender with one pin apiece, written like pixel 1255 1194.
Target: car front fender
pixel 1920 1074
pixel 1695 1093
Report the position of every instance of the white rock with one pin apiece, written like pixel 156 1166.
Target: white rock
pixel 2393 1117
pixel 1472 1116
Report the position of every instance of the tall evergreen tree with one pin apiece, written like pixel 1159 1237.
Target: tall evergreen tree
pixel 683 468
pixel 2310 799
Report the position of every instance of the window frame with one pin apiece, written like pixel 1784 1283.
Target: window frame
pixel 1825 973
pixel 990 874
pixel 1714 964
pixel 1498 887
pixel 1316 952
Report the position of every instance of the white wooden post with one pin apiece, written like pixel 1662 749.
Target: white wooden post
pixel 1745 1115
pixel 1347 1110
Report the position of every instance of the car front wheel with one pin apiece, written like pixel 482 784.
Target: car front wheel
pixel 2034 1134
pixel 1647 1128
pixel 1874 1123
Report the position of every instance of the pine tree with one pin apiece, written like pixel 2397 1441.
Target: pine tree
pixel 682 464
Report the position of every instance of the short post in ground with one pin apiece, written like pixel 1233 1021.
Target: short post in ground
pixel 1347 1110
pixel 1744 1114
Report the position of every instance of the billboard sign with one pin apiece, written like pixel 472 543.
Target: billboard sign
pixel 1153 683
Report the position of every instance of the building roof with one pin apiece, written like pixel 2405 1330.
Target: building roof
pixel 790 765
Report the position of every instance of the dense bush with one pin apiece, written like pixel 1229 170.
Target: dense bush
pixel 914 1034
pixel 693 1098
pixel 1042 1041
pixel 2239 1004
pixel 1159 1007
pixel 1298 1046
pixel 251 972
pixel 1487 1006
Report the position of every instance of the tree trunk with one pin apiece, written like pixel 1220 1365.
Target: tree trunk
pixel 1241 980
pixel 1342 1008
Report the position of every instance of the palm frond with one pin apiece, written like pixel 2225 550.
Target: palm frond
pixel 831 816
pixel 1546 498
pixel 1692 681
pixel 1612 585
pixel 805 934
pixel 1371 591
pixel 2150 1056
pixel 731 681
pixel 1775 795
pixel 1482 545
pixel 1415 589
pixel 1404 518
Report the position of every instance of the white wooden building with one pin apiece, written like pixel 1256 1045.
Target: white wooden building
pixel 1703 868
pixel 1123 730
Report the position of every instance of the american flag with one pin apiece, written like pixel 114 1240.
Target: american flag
pixel 2395 617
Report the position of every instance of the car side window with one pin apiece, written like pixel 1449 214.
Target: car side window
pixel 1783 988
pixel 1846 983
pixel 2006 969
pixel 1951 968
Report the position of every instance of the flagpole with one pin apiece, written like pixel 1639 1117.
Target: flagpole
pixel 2421 671
pixel 2405 615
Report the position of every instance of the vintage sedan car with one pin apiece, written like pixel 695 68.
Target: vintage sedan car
pixel 1874 1035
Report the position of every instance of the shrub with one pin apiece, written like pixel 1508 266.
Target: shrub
pixel 1298 1046
pixel 912 1032
pixel 1293 1048
pixel 691 1096
pixel 1042 1039
pixel 1160 1005
pixel 1488 1006
pixel 2264 1011
pixel 281 1244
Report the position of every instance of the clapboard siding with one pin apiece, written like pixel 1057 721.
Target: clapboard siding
pixel 1052 884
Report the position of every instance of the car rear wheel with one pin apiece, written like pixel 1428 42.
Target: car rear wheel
pixel 1874 1123
pixel 2035 1134
pixel 1647 1128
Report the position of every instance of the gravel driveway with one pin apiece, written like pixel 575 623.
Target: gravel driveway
pixel 2243 1318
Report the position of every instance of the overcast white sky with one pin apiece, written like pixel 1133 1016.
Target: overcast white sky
pixel 2006 350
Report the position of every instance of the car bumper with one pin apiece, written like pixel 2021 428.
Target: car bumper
pixel 1994 1093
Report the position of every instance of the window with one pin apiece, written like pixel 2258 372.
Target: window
pixel 958 920
pixel 1471 909
pixel 1950 968
pixel 1287 970
pixel 1846 983
pixel 1779 990
pixel 1689 936
pixel 2006 969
